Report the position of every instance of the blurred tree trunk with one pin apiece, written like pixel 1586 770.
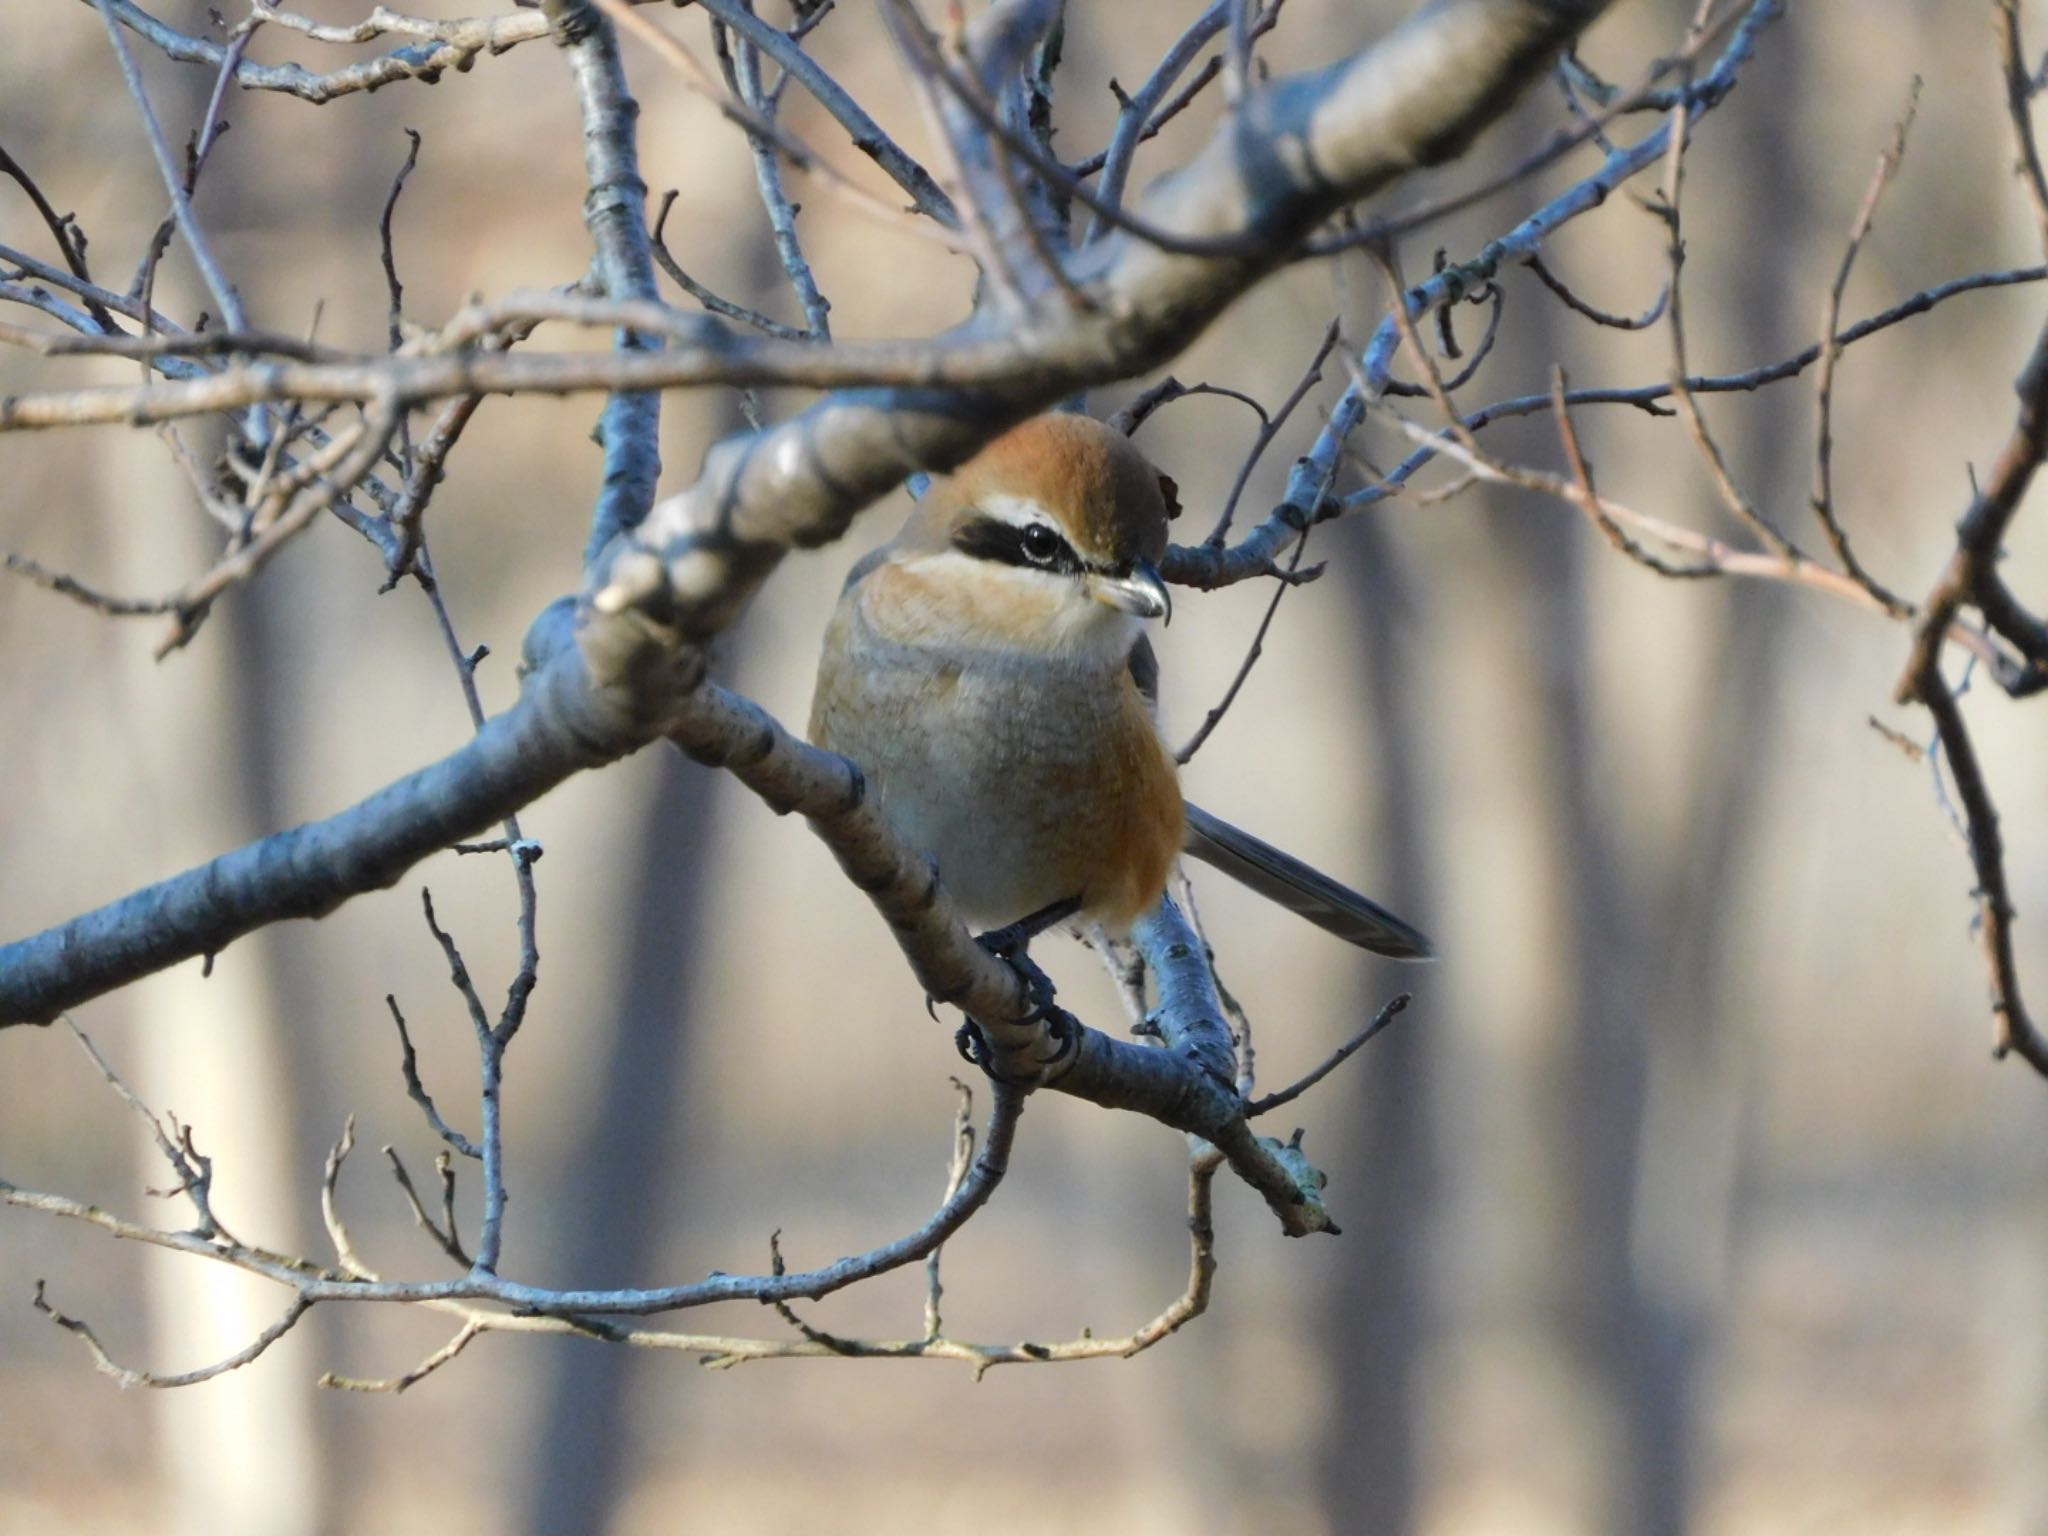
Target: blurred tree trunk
pixel 620 1187
pixel 226 1053
pixel 621 1192
pixel 1592 1066
pixel 1687 1191
pixel 1368 1464
pixel 214 1050
pixel 1642 1097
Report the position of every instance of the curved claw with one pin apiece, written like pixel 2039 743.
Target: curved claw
pixel 972 1045
pixel 1061 1025
pixel 1038 986
pixel 1009 945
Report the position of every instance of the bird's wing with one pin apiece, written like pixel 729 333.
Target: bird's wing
pixel 862 566
pixel 1282 878
pixel 1145 673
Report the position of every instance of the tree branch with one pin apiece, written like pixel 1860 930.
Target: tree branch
pixel 592 702
pixel 1306 146
pixel 615 211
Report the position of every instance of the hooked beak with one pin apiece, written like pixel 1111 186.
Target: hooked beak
pixel 1142 592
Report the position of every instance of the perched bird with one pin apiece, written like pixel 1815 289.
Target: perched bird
pixel 989 671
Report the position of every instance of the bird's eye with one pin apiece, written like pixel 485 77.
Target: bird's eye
pixel 1041 544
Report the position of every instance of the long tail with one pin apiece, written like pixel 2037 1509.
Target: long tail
pixel 1282 878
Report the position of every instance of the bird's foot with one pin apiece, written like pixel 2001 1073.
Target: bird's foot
pixel 1008 945
pixel 1004 944
pixel 972 1041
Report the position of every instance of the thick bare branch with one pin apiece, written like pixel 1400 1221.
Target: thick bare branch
pixel 592 702
pixel 1307 146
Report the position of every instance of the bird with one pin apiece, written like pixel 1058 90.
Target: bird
pixel 989 672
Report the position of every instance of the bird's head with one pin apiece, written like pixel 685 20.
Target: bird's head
pixel 1053 533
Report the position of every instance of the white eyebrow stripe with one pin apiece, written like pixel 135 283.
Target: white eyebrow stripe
pixel 1018 511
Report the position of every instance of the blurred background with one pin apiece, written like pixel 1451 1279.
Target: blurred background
pixel 1685 1197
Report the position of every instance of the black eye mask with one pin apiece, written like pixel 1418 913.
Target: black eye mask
pixel 1036 548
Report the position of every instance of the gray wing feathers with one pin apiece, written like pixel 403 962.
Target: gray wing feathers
pixel 1144 664
pixel 1282 878
pixel 862 566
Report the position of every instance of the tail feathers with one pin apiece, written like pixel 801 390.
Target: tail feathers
pixel 1282 878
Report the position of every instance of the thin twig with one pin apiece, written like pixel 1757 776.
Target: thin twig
pixel 458 969
pixel 1432 378
pixel 128 1377
pixel 1979 537
pixel 63 229
pixel 427 468
pixel 439 46
pixel 744 78
pixel 432 1363
pixel 69 586
pixel 1598 316
pixel 932 60
pixel 1759 14
pixel 1269 428
pixel 1495 298
pixel 416 1090
pixel 958 1165
pixel 1738 505
pixel 718 305
pixel 1148 401
pixel 2015 1030
pixel 192 1167
pixel 445 1233
pixel 2019 106
pixel 1139 115
pixel 217 283
pixel 1589 498
pixel 1293 577
pixel 1387 1014
pixel 866 134
pixel 330 1210
pixel 957 157
pixel 699 79
pixel 388 251
pixel 1183 1309
pixel 1823 499
pixel 311 487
